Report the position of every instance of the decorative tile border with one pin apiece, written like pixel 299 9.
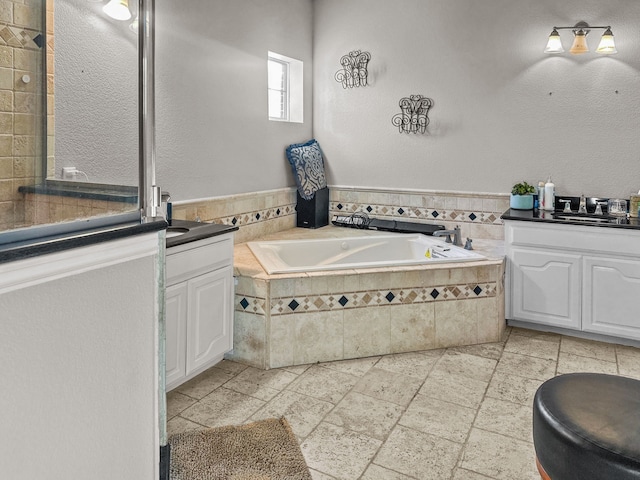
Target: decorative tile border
pixel 415 213
pixel 250 218
pixel 363 299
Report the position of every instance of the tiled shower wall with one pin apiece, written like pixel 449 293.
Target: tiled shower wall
pixel 21 49
pixel 261 213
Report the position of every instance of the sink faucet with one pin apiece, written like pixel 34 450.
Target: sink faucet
pixel 455 232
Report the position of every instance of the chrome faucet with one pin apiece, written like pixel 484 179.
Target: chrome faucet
pixel 455 232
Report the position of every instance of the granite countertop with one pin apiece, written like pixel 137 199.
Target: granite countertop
pixel 193 231
pixel 573 218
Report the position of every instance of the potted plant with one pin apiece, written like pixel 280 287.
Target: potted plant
pixel 522 196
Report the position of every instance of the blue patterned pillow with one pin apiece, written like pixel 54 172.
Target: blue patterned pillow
pixel 308 167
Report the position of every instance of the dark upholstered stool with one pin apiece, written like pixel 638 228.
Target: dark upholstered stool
pixel 586 426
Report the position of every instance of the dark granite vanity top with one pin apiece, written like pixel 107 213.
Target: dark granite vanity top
pixel 559 217
pixel 184 231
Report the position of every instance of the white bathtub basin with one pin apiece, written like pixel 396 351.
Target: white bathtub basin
pixel 373 251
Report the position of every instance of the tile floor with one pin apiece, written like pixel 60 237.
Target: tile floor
pixel 460 414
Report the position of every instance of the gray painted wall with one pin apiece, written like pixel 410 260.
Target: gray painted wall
pixel 213 136
pixel 504 111
pixel 96 93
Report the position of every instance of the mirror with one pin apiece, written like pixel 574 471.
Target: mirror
pixel 92 94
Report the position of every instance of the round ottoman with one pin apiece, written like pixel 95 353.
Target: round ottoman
pixel 586 426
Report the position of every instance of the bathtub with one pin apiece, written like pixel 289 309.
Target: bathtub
pixel 373 251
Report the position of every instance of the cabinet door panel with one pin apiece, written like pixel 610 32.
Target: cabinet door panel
pixel 611 293
pixel 175 333
pixel 208 321
pixel 546 287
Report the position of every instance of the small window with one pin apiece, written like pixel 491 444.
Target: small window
pixel 285 88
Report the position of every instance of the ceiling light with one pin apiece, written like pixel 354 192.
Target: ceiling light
pixel 118 9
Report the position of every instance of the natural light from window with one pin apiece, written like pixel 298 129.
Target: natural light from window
pixel 285 88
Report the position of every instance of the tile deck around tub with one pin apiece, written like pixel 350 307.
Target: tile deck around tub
pixel 294 319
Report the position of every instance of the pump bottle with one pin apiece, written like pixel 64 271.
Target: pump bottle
pixel 549 195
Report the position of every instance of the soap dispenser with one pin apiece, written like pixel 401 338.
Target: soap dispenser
pixel 549 194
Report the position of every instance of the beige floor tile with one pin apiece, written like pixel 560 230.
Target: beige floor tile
pixel 316 475
pixel 462 474
pixel 526 366
pixel 363 414
pixel 588 348
pixel 302 412
pixel 180 425
pixel 339 452
pixel 455 388
pixel 629 365
pixel 177 402
pixel 205 383
pixel 628 351
pixel 487 350
pixel 357 366
pixel 499 457
pixel 388 386
pixel 223 407
pixel 470 366
pixel 261 384
pixel 533 347
pixel 512 388
pixel 297 369
pixel 323 383
pixel 440 418
pixel 230 366
pixel 539 334
pixel 376 472
pixel 415 364
pixel 570 363
pixel 418 454
pixel 506 418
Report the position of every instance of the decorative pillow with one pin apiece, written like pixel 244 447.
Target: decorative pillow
pixel 308 167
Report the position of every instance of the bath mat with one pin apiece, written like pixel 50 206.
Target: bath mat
pixel 263 450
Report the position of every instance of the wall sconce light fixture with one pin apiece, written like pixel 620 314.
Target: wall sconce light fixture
pixel 580 30
pixel 118 9
pixel 414 116
pixel 354 69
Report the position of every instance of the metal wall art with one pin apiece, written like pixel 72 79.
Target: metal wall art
pixel 354 69
pixel 414 117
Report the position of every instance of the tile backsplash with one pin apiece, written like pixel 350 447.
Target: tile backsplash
pixel 261 213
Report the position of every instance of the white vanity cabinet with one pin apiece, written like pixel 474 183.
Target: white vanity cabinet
pixel 198 306
pixel 574 277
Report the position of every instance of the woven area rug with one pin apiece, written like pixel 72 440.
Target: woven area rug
pixel 264 450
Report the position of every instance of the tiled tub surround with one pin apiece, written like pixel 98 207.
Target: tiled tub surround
pixel 263 213
pixel 294 319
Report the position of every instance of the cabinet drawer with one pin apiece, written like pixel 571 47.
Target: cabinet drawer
pixel 200 257
pixel 603 240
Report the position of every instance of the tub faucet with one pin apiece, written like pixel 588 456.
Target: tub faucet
pixel 455 232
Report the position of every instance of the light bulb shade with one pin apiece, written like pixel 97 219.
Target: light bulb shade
pixel 607 45
pixel 118 9
pixel 579 43
pixel 554 45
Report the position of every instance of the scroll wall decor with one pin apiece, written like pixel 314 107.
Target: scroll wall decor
pixel 354 69
pixel 414 116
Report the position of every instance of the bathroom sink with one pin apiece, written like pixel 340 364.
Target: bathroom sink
pixel 175 231
pixel 587 218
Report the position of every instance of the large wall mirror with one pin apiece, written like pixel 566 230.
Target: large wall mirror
pixel 73 151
